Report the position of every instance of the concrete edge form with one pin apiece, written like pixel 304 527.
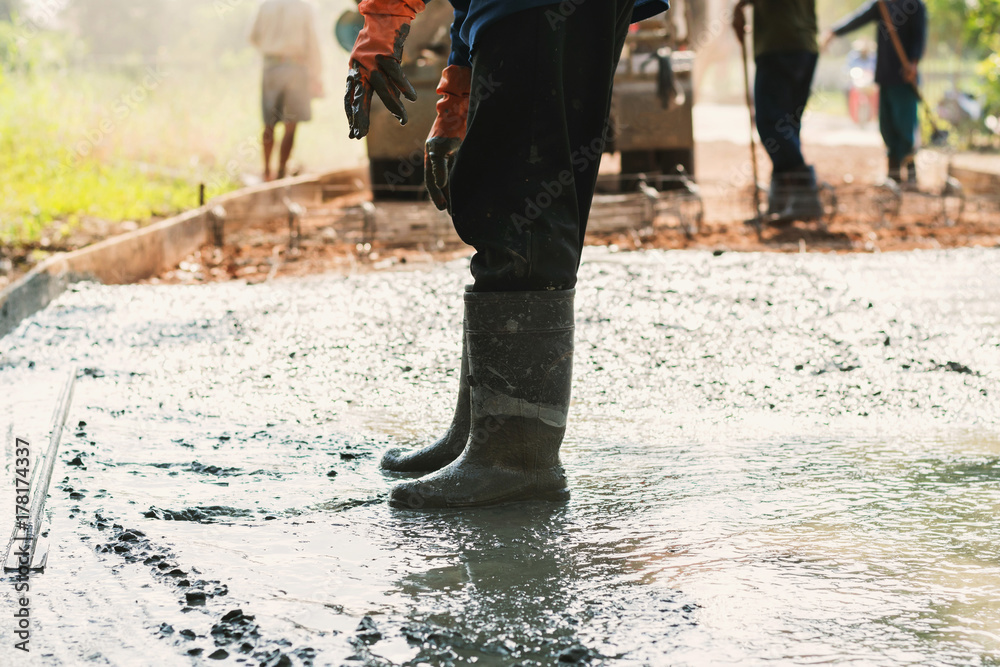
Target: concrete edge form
pixel 145 252
pixel 976 181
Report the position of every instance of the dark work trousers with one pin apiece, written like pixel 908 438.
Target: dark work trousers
pixel 897 119
pixel 780 92
pixel 524 178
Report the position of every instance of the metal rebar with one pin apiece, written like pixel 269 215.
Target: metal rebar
pixel 39 488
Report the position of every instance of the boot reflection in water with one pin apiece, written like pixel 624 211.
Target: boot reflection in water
pixel 505 583
pixel 516 585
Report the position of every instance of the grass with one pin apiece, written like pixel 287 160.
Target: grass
pixel 53 174
pixel 133 143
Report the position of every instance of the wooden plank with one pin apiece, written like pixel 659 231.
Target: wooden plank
pixel 28 530
pixel 976 181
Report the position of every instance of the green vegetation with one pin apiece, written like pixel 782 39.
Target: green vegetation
pixel 66 149
pixel 983 27
pixel 113 110
pixel 49 186
pixel 975 24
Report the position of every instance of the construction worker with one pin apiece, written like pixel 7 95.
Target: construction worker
pixel 785 53
pixel 521 124
pixel 898 96
pixel 284 31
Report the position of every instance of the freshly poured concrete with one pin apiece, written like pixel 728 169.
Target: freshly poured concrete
pixel 774 459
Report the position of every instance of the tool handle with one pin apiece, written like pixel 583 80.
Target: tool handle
pixel 897 44
pixel 893 35
pixel 753 127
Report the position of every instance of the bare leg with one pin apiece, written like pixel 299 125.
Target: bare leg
pixel 287 140
pixel 268 142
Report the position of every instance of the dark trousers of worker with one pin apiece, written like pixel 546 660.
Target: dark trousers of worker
pixel 524 178
pixel 897 119
pixel 781 90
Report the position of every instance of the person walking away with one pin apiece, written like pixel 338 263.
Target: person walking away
pixel 284 31
pixel 522 121
pixel 785 50
pixel 898 98
pixel 862 94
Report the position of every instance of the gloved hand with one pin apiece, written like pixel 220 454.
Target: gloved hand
pixel 375 62
pixel 740 19
pixel 447 132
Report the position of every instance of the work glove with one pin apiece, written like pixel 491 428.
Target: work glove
pixel 375 62
pixel 740 19
pixel 447 132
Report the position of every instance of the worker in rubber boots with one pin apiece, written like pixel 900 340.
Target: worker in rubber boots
pixel 898 97
pixel 785 53
pixel 513 156
pixel 284 31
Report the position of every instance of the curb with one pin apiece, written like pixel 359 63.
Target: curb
pixel 976 181
pixel 146 252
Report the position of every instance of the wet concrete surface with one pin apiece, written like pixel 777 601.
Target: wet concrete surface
pixel 781 459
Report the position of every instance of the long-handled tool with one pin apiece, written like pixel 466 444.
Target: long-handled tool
pixel 28 526
pixel 756 221
pixel 939 137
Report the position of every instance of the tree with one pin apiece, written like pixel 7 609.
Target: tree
pixel 982 29
pixel 946 20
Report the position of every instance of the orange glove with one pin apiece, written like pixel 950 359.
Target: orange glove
pixel 447 132
pixel 740 19
pixel 375 62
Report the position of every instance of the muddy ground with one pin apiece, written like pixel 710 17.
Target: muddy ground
pixel 723 168
pixel 773 458
pixel 924 221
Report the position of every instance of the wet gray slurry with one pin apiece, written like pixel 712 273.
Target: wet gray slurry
pixel 782 459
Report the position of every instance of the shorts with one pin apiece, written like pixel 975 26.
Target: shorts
pixel 285 93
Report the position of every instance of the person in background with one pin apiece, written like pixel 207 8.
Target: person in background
pixel 785 52
pixel 522 121
pixel 862 93
pixel 898 97
pixel 284 31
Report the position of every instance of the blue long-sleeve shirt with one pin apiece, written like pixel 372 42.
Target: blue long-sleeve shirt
pixel 471 16
pixel 910 19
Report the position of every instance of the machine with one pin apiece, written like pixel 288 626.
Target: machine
pixel 651 119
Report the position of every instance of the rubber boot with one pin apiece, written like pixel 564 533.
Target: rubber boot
pixel 911 175
pixel 895 170
pixel 777 195
pixel 803 196
pixel 449 446
pixel 520 348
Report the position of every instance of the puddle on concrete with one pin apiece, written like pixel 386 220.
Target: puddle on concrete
pixel 773 459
